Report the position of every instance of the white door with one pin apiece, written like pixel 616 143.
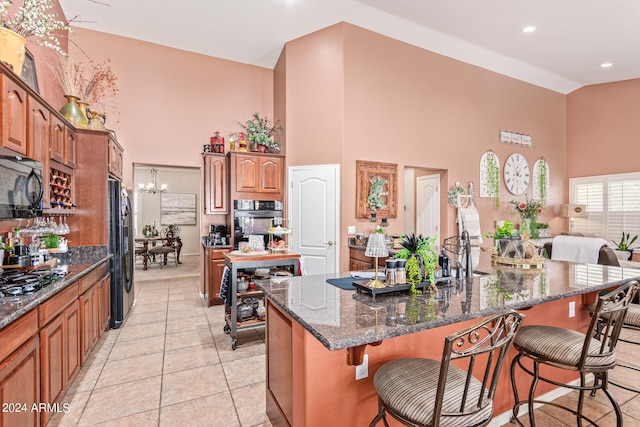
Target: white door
pixel 428 206
pixel 314 205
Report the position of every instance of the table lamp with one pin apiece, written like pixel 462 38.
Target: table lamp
pixel 572 212
pixel 376 247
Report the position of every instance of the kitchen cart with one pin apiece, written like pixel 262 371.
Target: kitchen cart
pixel 237 261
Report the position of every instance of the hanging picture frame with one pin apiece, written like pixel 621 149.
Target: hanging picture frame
pixel 28 73
pixel 490 176
pixel 376 172
pixel 178 209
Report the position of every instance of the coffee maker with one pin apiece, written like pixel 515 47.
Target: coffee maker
pixel 218 235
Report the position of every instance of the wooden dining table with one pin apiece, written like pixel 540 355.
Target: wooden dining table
pixel 154 240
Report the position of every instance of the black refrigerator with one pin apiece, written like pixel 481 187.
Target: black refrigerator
pixel 121 246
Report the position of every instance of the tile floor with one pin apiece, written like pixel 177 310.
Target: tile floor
pixel 171 364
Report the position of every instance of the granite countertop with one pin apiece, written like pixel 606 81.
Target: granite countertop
pixel 11 308
pixel 343 318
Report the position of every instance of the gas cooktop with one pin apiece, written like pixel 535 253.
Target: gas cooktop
pixel 14 283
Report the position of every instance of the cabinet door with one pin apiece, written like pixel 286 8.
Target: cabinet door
pixel 115 159
pixel 38 132
pixel 70 148
pixel 20 383
pixel 215 185
pixel 87 314
pixel 72 345
pixel 247 173
pixel 53 368
pixel 14 117
pixel 57 140
pixel 105 303
pixel 271 175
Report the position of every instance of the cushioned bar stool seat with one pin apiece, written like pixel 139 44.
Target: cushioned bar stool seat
pixel 426 392
pixel 589 353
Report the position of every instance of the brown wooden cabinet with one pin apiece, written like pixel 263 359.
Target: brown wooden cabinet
pixel 257 176
pixel 359 261
pixel 20 371
pixel 14 116
pixel 57 140
pixel 69 148
pixel 216 184
pixel 116 155
pixel 38 132
pixel 91 180
pixel 213 269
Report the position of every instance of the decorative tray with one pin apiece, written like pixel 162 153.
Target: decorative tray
pixel 519 263
pixel 361 287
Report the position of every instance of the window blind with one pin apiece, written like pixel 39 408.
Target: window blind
pixel 612 205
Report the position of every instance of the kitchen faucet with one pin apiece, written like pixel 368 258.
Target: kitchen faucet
pixel 467 253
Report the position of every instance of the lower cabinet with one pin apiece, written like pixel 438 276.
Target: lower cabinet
pixel 20 386
pixel 359 261
pixel 213 270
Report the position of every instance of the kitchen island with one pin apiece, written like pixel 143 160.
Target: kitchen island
pixel 316 332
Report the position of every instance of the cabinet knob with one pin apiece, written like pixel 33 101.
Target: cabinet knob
pixel 330 243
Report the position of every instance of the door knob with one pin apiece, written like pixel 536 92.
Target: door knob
pixel 330 243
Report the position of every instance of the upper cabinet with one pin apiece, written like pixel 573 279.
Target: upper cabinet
pixel 14 116
pixel 257 176
pixel 116 155
pixel 216 184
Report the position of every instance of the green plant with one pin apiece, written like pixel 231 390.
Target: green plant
pixel 453 192
pixel 625 242
pixel 375 199
pixel 506 230
pixel 261 131
pixel 493 179
pixel 542 180
pixel 51 241
pixel 424 247
pixel 33 19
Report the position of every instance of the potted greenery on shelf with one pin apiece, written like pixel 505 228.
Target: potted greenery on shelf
pixel 261 133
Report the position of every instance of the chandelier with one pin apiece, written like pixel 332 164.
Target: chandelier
pixel 152 187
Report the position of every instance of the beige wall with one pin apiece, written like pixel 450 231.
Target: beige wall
pixel 363 96
pixel 172 101
pixel 603 129
pixel 345 93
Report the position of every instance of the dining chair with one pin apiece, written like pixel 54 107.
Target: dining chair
pixel 428 392
pixel 590 354
pixel 167 246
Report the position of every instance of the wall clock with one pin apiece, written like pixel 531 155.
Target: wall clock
pixel 516 174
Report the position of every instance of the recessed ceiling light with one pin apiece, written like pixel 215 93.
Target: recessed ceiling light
pixel 606 65
pixel 529 29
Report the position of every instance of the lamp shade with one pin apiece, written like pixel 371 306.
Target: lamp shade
pixel 376 246
pixel 573 211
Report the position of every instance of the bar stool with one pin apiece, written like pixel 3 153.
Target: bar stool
pixel 587 353
pixel 631 322
pixel 428 392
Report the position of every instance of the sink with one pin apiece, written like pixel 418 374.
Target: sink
pixel 476 273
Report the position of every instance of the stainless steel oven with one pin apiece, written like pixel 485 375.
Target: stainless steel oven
pixel 254 218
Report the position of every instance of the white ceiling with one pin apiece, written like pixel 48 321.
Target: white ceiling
pixel 572 39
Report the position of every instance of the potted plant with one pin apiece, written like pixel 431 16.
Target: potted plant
pixel 421 257
pixel 261 133
pixel 528 212
pixel 31 20
pixel 626 243
pixel 508 241
pixel 493 179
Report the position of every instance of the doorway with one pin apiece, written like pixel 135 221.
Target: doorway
pixel 314 208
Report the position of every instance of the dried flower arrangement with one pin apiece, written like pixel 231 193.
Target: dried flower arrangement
pixel 89 82
pixel 33 19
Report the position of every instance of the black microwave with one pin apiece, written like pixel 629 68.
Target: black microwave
pixel 21 187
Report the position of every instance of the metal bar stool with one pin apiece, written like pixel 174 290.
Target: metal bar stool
pixel 631 322
pixel 587 353
pixel 426 392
